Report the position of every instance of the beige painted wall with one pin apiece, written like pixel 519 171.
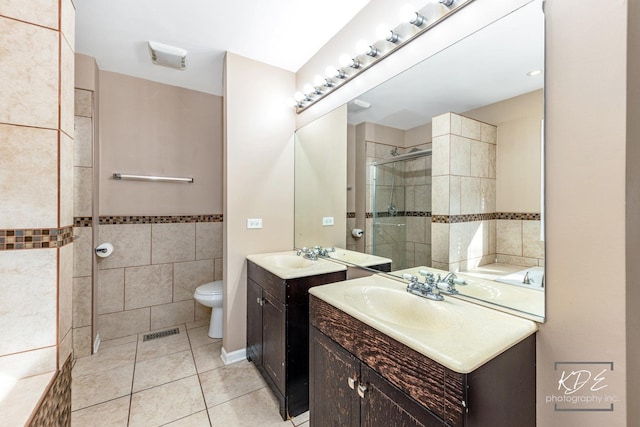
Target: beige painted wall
pixel 518 153
pixel 149 128
pixel 320 180
pixel 259 173
pixel 633 208
pixel 585 171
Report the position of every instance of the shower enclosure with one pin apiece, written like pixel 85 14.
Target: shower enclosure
pixel 401 209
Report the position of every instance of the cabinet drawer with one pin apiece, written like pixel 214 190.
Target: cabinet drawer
pixel 268 281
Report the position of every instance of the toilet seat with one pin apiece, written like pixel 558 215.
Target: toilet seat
pixel 211 288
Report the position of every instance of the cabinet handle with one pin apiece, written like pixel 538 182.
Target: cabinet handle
pixel 352 382
pixel 260 301
pixel 362 389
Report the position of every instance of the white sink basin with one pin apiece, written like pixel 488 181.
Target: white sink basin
pixel 288 261
pixel 358 258
pixel 457 334
pixel 398 307
pixel 288 265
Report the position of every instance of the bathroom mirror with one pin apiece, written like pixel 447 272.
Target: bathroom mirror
pixel 440 167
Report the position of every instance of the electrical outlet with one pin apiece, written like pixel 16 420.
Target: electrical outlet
pixel 327 220
pixel 254 223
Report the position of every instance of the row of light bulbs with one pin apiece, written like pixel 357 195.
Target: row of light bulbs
pixel 367 55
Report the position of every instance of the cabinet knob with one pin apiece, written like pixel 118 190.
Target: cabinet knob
pixel 260 301
pixel 352 382
pixel 362 389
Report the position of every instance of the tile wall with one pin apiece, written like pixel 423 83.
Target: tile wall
pixel 158 262
pixel 464 192
pixel 467 231
pixel 36 182
pixel 82 212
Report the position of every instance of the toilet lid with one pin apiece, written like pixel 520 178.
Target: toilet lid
pixel 210 288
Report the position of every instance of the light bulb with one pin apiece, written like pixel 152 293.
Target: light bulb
pixel 345 60
pixel 407 13
pixel 299 97
pixel 362 47
pixel 330 72
pixel 309 89
pixel 290 102
pixel 382 32
pixel 318 80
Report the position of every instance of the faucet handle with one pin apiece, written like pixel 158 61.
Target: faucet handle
pixel 409 277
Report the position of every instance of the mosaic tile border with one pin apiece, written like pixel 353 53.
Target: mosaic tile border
pixel 455 219
pixel 351 215
pixel 158 219
pixel 55 408
pixel 35 238
pixel 82 221
pixel 385 214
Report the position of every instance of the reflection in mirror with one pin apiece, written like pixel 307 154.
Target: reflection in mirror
pixel 444 166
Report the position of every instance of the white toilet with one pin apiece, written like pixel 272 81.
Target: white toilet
pixel 210 295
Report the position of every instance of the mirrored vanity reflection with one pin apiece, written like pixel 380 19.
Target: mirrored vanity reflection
pixel 439 168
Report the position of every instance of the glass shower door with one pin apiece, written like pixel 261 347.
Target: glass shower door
pixel 389 213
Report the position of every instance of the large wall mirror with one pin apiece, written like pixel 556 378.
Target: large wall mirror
pixel 440 168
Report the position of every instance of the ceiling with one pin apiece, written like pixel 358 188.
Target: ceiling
pixel 276 32
pixel 490 65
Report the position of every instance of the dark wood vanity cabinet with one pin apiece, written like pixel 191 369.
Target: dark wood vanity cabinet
pixel 278 333
pixel 361 377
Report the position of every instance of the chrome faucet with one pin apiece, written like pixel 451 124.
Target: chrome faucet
pixel 446 284
pixel 308 253
pixel 428 289
pixel 527 280
pixel 315 252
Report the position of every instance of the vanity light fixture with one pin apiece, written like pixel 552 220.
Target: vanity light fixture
pixel 370 53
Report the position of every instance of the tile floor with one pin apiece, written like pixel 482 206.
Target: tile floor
pixel 178 380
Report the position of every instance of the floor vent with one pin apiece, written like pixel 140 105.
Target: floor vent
pixel 161 334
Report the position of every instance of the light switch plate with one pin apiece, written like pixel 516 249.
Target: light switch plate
pixel 327 220
pixel 254 223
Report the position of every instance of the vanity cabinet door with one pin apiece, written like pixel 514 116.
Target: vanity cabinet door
pixel 382 404
pixel 273 339
pixel 254 322
pixel 333 373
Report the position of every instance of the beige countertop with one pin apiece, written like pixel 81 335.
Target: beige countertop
pixel 288 265
pixel 457 334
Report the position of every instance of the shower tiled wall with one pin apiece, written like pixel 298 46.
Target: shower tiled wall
pixel 464 192
pixel 83 230
pixel 36 152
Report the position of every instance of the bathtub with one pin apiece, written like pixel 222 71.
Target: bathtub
pixel 536 276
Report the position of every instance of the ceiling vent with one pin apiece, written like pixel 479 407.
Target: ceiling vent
pixel 168 56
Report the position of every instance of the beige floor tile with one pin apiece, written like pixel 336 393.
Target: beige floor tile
pixel 300 419
pixel 105 359
pixel 162 346
pixel 198 337
pixel 231 381
pixel 166 403
pixel 259 408
pixel 207 357
pixel 117 341
pixel 198 323
pixel 201 419
pixel 161 370
pixel 114 413
pixel 304 424
pixel 89 390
